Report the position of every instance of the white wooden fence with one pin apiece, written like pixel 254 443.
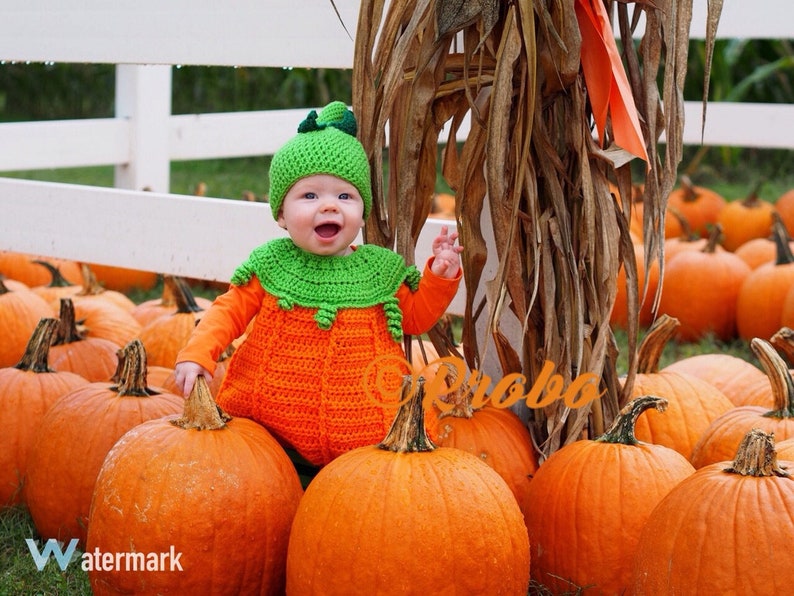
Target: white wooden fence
pixel 206 237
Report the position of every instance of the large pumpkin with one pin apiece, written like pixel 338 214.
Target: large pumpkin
pixel 75 436
pixel 589 501
pixel 27 391
pixel 407 517
pixel 225 495
pixel 745 219
pixel 722 437
pixel 700 289
pixel 724 530
pixel 759 307
pixel 692 402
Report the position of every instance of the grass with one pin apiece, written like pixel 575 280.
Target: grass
pixel 18 571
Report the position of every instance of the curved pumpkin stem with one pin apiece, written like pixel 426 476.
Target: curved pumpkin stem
pixel 714 239
pixel 3 288
pixel 183 296
pixel 783 255
pixel 38 349
pixel 58 280
pixel 201 412
pixel 652 346
pixel 783 341
pixel 622 428
pixel 779 377
pixel 757 456
pixel 408 433
pixel 460 397
pixel 91 286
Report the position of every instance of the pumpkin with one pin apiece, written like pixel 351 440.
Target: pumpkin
pixel 759 251
pixel 74 437
pixel 759 392
pixel 745 219
pixel 700 289
pixel 785 449
pixel 787 309
pixel 102 318
pixel 442 206
pixel 726 529
pixel 692 402
pixel 92 290
pixel 687 240
pixel 23 267
pixel 57 287
pixel 784 206
pixel 730 374
pixel 20 312
pixel 496 435
pixel 225 494
pixel 391 518
pixel 27 391
pixel 166 335
pixel 722 437
pixel 93 358
pixel 124 279
pixel 700 206
pixel 589 501
pixel 646 288
pixel 759 307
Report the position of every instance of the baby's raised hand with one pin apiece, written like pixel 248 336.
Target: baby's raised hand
pixel 447 260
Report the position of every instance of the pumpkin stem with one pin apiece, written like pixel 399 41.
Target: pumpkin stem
pixel 130 376
pixel 654 342
pixel 58 280
pixel 714 239
pixel 67 331
pixel 622 428
pixel 3 288
pixel 408 433
pixel 783 255
pixel 783 341
pixel 756 456
pixel 38 349
pixel 687 235
pixel 91 286
pixel 460 398
pixel 183 296
pixel 779 377
pixel 201 412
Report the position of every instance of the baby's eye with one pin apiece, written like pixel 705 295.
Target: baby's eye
pixel 344 196
pixel 310 195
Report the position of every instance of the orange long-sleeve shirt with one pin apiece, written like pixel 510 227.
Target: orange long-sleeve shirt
pixel 316 390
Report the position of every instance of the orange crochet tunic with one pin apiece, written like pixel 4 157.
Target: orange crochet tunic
pixel 316 389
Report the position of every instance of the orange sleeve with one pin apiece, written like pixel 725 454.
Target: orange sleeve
pixel 224 321
pixel 422 309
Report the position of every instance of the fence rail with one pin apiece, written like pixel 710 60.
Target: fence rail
pixel 206 237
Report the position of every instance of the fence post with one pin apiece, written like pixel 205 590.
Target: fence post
pixel 143 97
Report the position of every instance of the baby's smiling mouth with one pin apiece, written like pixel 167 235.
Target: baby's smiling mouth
pixel 327 230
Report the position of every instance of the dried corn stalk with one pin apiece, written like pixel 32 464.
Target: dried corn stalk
pixel 530 169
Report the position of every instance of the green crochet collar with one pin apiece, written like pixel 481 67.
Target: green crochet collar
pixel 369 276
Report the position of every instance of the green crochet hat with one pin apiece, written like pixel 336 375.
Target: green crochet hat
pixel 325 144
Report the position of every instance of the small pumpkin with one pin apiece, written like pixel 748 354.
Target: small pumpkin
pixel 166 335
pixel 20 312
pixel 692 402
pixel 388 517
pixel 149 310
pixel 730 374
pixel 27 391
pixel 575 540
pixel 646 289
pixel 93 358
pixel 226 494
pixel 23 267
pixel 722 437
pixel 700 206
pixel 784 206
pixel 726 529
pixel 74 437
pixel 701 288
pixel 759 307
pixel 124 279
pixel 745 219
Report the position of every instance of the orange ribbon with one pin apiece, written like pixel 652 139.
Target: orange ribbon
pixel 607 84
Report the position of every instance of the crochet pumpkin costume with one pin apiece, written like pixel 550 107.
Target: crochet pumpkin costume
pixel 318 366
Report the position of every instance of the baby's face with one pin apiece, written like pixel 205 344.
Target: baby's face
pixel 323 214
